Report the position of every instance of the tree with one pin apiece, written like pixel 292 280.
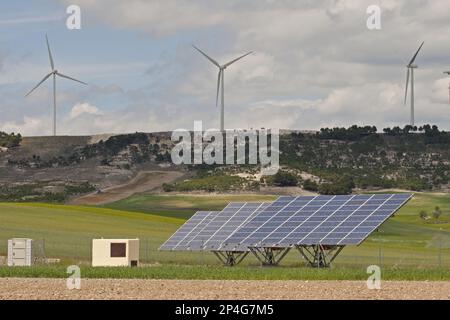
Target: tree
pixel 167 187
pixel 310 185
pixel 407 129
pixel 341 185
pixel 10 140
pixel 284 179
pixel 423 215
pixel 437 213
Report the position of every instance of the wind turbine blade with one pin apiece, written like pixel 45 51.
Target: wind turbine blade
pixel 73 79
pixel 417 52
pixel 218 86
pixel 407 83
pixel 45 78
pixel 50 54
pixel 233 61
pixel 207 57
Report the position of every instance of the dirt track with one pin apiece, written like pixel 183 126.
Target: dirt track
pixel 144 181
pixel 12 288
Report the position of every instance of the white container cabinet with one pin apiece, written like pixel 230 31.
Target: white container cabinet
pixel 115 252
pixel 20 252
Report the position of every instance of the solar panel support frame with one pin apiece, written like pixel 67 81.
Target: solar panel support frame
pixel 318 255
pixel 269 256
pixel 230 258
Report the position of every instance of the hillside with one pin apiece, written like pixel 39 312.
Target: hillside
pixel 331 161
pixel 57 169
pixel 414 161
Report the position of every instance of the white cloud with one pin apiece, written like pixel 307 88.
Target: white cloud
pixel 84 108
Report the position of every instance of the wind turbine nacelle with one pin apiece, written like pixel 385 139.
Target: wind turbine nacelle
pixel 413 66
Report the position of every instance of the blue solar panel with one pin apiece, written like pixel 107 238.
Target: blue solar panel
pixel 188 230
pixel 327 220
pixel 224 224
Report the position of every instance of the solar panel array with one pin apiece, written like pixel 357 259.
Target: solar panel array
pixel 188 230
pixel 286 222
pixel 327 220
pixel 233 217
pixel 206 230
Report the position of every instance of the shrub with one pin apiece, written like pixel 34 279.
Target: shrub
pixel 284 179
pixel 310 185
pixel 423 215
pixel 437 213
pixel 10 140
pixel 218 183
pixel 168 187
pixel 342 185
pixel 82 188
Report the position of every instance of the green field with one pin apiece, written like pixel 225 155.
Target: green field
pixel 68 230
pixel 405 242
pixel 227 273
pixel 181 206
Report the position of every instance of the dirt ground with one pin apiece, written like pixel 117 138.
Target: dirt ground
pixel 14 288
pixel 144 181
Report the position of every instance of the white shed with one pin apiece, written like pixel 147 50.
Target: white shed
pixel 115 252
pixel 20 252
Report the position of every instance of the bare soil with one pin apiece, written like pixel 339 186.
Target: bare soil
pixel 28 288
pixel 144 181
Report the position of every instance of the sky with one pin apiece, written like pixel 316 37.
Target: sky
pixel 315 64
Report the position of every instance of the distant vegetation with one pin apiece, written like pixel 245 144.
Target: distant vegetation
pixel 42 192
pixel 9 140
pixel 436 214
pixel 310 185
pixel 339 185
pixel 213 183
pixel 283 179
pixel 351 134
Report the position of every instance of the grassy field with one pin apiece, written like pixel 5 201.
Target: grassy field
pixel 69 230
pixel 405 242
pixel 226 273
pixel 181 206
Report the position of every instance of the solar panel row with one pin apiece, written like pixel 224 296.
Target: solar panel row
pixel 188 230
pixel 222 225
pixel 328 220
pixel 287 222
pixel 208 230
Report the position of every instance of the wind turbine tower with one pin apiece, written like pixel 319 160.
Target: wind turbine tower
pixel 221 83
pixel 53 73
pixel 448 73
pixel 410 74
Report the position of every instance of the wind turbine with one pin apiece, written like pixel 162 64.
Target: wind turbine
pixel 221 83
pixel 448 73
pixel 411 66
pixel 53 73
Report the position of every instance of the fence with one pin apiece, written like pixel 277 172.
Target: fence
pixel 411 253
